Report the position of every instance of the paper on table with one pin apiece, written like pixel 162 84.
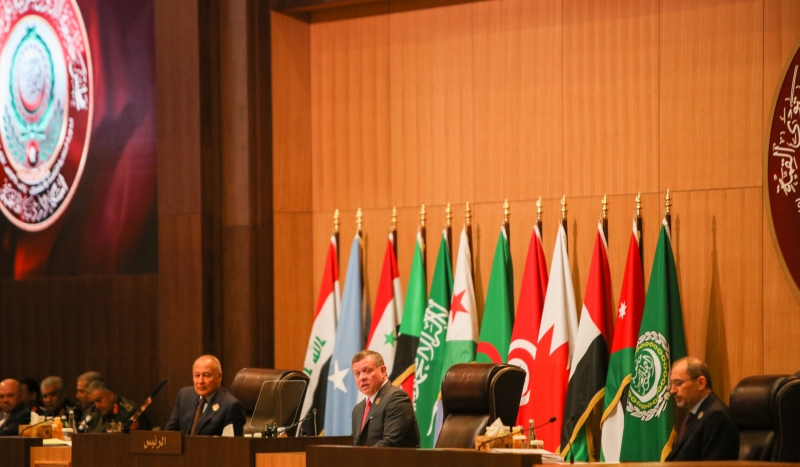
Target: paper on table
pixel 228 431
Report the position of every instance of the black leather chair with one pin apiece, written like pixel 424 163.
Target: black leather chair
pixel 767 409
pixel 247 386
pixel 473 396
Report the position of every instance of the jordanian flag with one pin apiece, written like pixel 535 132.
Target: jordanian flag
pixel 498 314
pixel 522 351
pixel 554 348
pixel 430 352
pixel 402 373
pixel 649 433
pixel 587 378
pixel 620 365
pixel 388 309
pixel 320 343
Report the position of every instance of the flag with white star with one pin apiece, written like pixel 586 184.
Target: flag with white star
pixel 342 394
pixel 388 309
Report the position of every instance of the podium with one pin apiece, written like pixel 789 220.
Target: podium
pixel 350 456
pixel 16 451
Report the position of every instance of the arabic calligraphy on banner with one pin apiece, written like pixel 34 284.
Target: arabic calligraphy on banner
pixel 781 186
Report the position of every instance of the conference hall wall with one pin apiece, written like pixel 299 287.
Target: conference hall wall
pixel 407 102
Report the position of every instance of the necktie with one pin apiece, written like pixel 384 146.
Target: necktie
pixel 366 414
pixel 197 413
pixel 688 419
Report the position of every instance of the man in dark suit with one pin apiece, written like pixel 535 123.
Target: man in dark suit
pixel 386 417
pixel 206 408
pixel 13 412
pixel 708 432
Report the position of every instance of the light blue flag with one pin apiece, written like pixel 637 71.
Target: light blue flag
pixel 342 393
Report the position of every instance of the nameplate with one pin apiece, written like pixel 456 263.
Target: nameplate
pixel 156 442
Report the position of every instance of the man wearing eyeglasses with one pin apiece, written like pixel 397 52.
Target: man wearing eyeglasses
pixel 708 432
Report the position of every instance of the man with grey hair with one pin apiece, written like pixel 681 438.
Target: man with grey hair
pixel 85 408
pixel 111 410
pixel 54 397
pixel 13 412
pixel 206 408
pixel 708 432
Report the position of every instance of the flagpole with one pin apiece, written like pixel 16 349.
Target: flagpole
pixel 667 215
pixel 394 230
pixel 640 228
pixel 506 225
pixel 336 232
pixel 605 217
pixel 423 234
pixel 564 220
pixel 468 228
pixel 447 224
pixel 539 216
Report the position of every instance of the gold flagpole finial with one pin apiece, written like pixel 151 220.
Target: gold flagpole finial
pixel 539 209
pixel 336 221
pixel 506 211
pixel 448 216
pixel 563 207
pixel 422 216
pixel 639 204
pixel 394 217
pixel 667 203
pixel 359 219
pixel 468 214
pixel 605 207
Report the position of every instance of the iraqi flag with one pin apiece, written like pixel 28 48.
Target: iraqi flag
pixel 587 378
pixel 620 365
pixel 320 343
pixel 525 335
pixel 388 309
pixel 554 348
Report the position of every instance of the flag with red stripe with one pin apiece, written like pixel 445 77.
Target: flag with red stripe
pixel 388 309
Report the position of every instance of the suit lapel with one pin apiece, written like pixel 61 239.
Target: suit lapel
pixel 692 426
pixel 209 412
pixel 374 407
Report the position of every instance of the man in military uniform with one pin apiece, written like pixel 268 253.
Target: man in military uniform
pixel 111 410
pixel 54 397
pixel 85 412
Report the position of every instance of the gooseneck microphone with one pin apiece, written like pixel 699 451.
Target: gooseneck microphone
pixel 552 419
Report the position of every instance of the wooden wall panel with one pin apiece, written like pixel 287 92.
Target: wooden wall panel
pixel 350 108
pixel 518 99
pixel 431 94
pixel 711 59
pixel 610 97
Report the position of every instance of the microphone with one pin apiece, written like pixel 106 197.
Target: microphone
pixel 314 410
pixel 126 427
pixel 307 417
pixel 35 424
pixel 552 419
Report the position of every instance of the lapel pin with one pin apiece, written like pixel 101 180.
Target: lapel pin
pixel 215 407
pixel 700 415
pixel 377 401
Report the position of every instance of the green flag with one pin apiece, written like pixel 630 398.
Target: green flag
pixel 498 314
pixel 649 430
pixel 430 352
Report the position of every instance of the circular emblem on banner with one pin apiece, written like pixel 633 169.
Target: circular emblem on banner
pixel 649 391
pixel 781 190
pixel 46 106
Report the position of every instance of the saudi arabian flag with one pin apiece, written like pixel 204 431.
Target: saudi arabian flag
pixel 648 432
pixel 430 352
pixel 498 314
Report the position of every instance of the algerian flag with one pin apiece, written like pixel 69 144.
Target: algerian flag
pixel 498 314
pixel 620 365
pixel 649 433
pixel 413 313
pixel 430 352
pixel 587 378
pixel 388 309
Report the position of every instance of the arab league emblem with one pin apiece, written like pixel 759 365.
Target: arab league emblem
pixel 215 407
pixel 46 105
pixel 649 391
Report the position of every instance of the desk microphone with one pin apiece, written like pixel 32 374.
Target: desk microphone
pixel 35 424
pixel 304 419
pixel 552 419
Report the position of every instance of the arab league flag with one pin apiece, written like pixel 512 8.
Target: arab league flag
pixel 413 312
pixel 587 378
pixel 342 391
pixel 430 352
pixel 320 343
pixel 522 351
pixel 554 348
pixel 498 314
pixel 649 433
pixel 620 364
pixel 388 308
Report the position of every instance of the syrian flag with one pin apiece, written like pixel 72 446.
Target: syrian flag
pixel 411 325
pixel 589 367
pixel 388 309
pixel 320 343
pixel 554 348
pixel 342 393
pixel 620 365
pixel 498 314
pixel 522 351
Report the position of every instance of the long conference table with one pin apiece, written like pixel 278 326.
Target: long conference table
pixel 96 450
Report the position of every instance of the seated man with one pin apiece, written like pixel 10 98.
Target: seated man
pixel 14 412
pixel 386 417
pixel 54 397
pixel 112 410
pixel 206 408
pixel 29 394
pixel 85 410
pixel 709 432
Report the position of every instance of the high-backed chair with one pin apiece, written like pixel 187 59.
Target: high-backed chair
pixel 767 409
pixel 473 396
pixel 247 385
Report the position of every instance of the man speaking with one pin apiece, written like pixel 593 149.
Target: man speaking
pixel 386 417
